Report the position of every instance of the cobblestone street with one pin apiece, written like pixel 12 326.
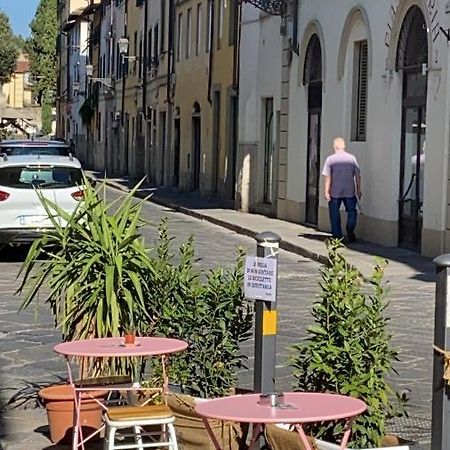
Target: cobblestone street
pixel 27 338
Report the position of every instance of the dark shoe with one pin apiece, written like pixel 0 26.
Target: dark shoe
pixel 351 237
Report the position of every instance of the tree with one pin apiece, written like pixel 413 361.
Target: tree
pixel 8 49
pixel 42 49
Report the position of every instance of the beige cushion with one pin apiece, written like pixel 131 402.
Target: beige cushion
pixel 191 433
pixel 139 412
pixel 279 439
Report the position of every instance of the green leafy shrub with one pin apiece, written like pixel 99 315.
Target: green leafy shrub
pixel 348 349
pixel 209 312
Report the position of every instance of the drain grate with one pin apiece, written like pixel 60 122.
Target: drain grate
pixel 412 428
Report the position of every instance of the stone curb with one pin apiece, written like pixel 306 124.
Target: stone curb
pixel 285 245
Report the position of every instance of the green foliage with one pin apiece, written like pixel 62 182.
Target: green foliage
pixel 211 314
pixel 8 49
pixel 42 47
pixel 47 118
pixel 100 280
pixel 95 267
pixel 348 349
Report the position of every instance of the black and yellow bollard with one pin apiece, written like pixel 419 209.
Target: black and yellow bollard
pixel 267 246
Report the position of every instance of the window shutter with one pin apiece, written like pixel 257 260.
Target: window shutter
pixel 362 92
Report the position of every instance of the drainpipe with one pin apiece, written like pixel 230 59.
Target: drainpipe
pixel 211 47
pixel 237 48
pixel 144 62
pixel 170 52
pixel 124 77
pixel 170 72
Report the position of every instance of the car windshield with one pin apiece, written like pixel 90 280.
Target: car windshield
pixel 42 177
pixel 36 150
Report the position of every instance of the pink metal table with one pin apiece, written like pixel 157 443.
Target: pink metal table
pixel 113 347
pixel 300 408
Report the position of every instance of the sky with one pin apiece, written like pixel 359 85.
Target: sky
pixel 20 13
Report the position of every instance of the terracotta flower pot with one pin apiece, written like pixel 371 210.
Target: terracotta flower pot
pixel 130 339
pixel 59 403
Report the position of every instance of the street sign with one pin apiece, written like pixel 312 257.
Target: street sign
pixel 260 278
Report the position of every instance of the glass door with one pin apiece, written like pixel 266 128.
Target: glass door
pixel 313 168
pixel 411 177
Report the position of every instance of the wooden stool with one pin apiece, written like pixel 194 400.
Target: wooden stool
pixel 120 417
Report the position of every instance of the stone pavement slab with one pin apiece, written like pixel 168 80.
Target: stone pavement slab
pixel 411 308
pixel 295 238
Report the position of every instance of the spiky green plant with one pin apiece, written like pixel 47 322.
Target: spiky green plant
pixel 91 267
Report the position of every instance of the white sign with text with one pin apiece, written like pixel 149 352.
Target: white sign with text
pixel 260 279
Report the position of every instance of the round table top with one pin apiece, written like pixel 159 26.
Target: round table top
pixel 303 407
pixel 116 347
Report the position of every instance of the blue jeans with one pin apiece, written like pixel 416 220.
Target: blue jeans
pixel 335 218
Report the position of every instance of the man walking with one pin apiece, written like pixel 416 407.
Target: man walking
pixel 342 185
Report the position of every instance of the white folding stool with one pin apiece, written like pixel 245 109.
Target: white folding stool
pixel 135 417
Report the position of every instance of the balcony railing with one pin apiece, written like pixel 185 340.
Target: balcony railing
pixel 273 7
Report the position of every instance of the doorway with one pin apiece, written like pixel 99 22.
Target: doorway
pixel 313 78
pixel 216 142
pixel 269 150
pixel 412 164
pixel 176 152
pixel 196 147
pixel 412 57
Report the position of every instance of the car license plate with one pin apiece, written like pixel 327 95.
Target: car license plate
pixel 37 221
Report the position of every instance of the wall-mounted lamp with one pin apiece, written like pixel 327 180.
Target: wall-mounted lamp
pixel 123 44
pixel 108 82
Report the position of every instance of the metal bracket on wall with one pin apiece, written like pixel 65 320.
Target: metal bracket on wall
pixel 446 33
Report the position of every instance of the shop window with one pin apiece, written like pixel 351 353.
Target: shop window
pixel 360 82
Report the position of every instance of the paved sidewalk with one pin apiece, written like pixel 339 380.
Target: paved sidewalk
pixel 296 238
pixel 411 277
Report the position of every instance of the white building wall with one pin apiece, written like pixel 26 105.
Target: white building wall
pixel 379 155
pixel 259 78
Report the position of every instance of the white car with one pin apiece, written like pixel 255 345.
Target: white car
pixel 23 218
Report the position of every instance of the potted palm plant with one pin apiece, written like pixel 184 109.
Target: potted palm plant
pixel 92 269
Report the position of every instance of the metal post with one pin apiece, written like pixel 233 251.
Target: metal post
pixel 267 245
pixel 440 429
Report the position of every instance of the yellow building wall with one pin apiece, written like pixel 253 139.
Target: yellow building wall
pixel 16 92
pixel 192 86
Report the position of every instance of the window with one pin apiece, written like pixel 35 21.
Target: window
pixel 179 35
pixel 188 33
pixel 208 26
pixel 163 25
pixel 198 34
pixel 219 22
pixel 99 127
pixel 155 43
pixel 134 52
pixel 140 56
pixel 149 48
pixel 359 104
pixel 29 177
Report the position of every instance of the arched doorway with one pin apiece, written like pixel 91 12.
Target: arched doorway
pixel 412 57
pixel 312 77
pixel 196 146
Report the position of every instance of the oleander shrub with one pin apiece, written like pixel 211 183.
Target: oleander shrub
pixel 348 349
pixel 208 310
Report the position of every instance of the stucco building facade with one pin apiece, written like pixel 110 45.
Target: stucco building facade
pixel 375 73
